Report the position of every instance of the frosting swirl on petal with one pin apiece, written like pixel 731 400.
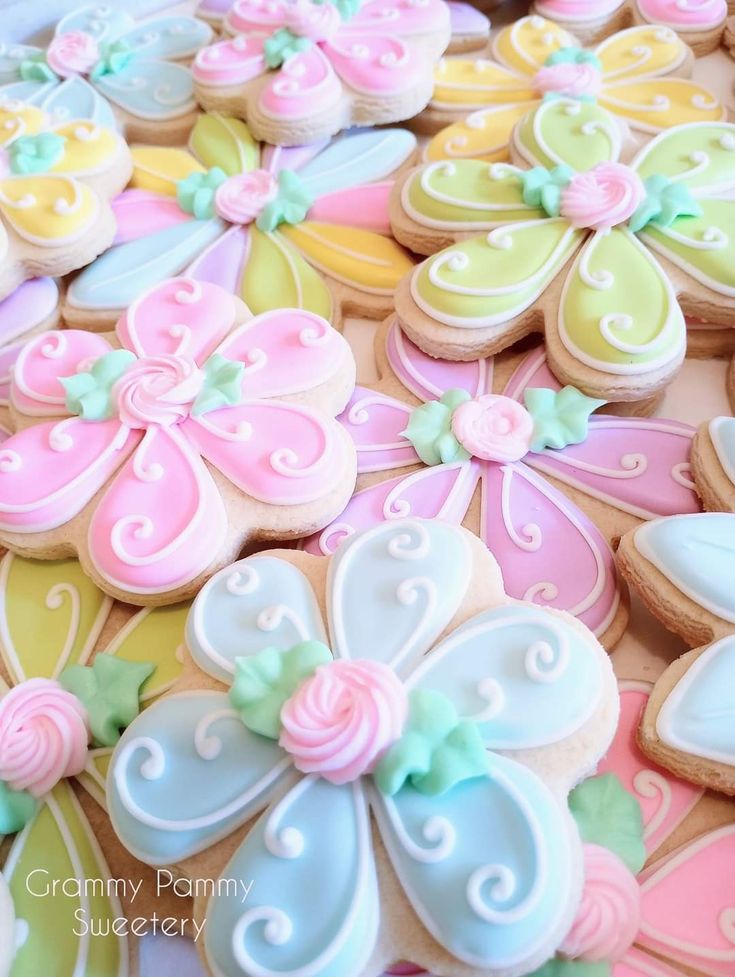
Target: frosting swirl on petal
pixel 316 21
pixel 157 390
pixel 602 197
pixel 493 427
pixel 568 79
pixel 240 199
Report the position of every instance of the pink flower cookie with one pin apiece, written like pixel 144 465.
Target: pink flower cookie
pixel 471 453
pixel 300 71
pixel 192 430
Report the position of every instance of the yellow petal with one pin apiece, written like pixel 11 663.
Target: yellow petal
pixel 49 210
pixel 526 44
pixel 88 148
pixel 159 168
pixel 18 119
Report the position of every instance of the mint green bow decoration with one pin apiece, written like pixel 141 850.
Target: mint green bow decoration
pixel 36 154
pixel 291 204
pixel 222 384
pixel 559 417
pixel 542 187
pixel 429 429
pixel 195 193
pixel 437 751
pixel 17 807
pixel 347 8
pixel 115 57
pixel 665 200
pixel 89 394
pixel 282 45
pixel 573 55
pixel 264 681
pixel 35 68
pixel 109 689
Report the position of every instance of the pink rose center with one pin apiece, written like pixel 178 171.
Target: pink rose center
pixel 157 390
pixel 493 427
pixel 568 79
pixel 342 719
pixel 75 53
pixel 241 199
pixel 316 21
pixel 603 197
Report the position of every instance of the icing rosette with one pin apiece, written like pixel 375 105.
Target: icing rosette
pixel 567 78
pixel 157 390
pixel 241 199
pixel 43 736
pixel 315 21
pixel 75 53
pixel 342 719
pixel 493 427
pixel 602 197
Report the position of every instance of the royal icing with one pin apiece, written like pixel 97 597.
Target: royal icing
pixel 31 305
pixel 684 16
pixel 722 432
pixel 99 60
pixel 499 820
pixel 236 214
pixel 187 384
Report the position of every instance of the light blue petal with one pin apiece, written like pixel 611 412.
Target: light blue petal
pixel 167 37
pixel 186 773
pixel 393 589
pixel 153 90
pixel 456 854
pixel 105 22
pixel 118 276
pixel 73 98
pixel 320 894
pixel 254 604
pixel 11 57
pixel 357 158
pixel 528 678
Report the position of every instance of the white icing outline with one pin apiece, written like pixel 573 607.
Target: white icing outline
pixel 718 443
pixel 80 191
pixel 358 415
pixel 420 385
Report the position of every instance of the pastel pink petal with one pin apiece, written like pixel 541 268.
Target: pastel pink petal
pixel 230 62
pixel 549 551
pixel 253 15
pixel 141 212
pixel 429 378
pixel 161 521
pixel 443 491
pixel 664 799
pixel 302 82
pixel 35 386
pixel 275 452
pixel 636 963
pixel 50 471
pixel 365 207
pixel 286 352
pixel 180 315
pixel 374 422
pixel 401 16
pixel 222 263
pixel 385 66
pixel 532 371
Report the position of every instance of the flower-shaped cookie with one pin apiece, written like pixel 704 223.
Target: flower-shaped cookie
pixel 469 437
pixel 484 861
pixel 683 568
pixel 713 458
pixel 103 67
pixel 221 427
pixel 614 326
pixel 55 183
pixel 53 622
pixel 536 60
pixel 299 70
pixel 265 223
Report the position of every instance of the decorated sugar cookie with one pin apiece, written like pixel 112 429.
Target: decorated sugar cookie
pixel 683 568
pixel 371 753
pixel 640 75
pixel 157 452
pixel 605 257
pixel 102 66
pixel 74 669
pixel 306 228
pixel 713 462
pixel 55 184
pixel 299 70
pixel 513 457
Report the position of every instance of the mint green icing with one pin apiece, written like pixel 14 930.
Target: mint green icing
pixel 437 750
pixel 559 967
pixel 607 815
pixel 115 57
pixel 291 204
pixel 430 429
pixel 264 681
pixel 35 68
pixel 542 187
pixel 559 417
pixel 347 8
pixel 573 55
pixel 665 200
pixel 195 193
pixel 282 45
pixel 89 394
pixel 36 154
pixel 222 384
pixel 17 807
pixel 109 689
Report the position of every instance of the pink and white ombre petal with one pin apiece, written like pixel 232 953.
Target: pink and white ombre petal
pixel 367 209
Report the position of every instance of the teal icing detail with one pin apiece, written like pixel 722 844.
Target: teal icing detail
pixel 573 55
pixel 561 967
pixel 665 200
pixel 115 57
pixel 89 394
pixel 437 750
pixel 36 154
pixel 608 816
pixel 282 45
pixel 347 8
pixel 195 193
pixel 429 429
pixel 264 681
pixel 222 386
pixel 559 417
pixel 17 807
pixel 35 68
pixel 109 689
pixel 291 204
pixel 542 187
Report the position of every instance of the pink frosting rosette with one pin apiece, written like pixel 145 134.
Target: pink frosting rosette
pixel 316 21
pixel 608 917
pixel 241 199
pixel 342 719
pixel 572 80
pixel 603 197
pixel 75 53
pixel 493 427
pixel 157 390
pixel 43 736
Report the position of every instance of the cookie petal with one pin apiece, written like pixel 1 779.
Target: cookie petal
pixel 176 38
pixel 567 131
pixel 276 276
pixel 429 378
pixel 290 92
pixel 218 140
pixel 53 211
pixel 139 213
pixel 483 135
pixel 150 90
pixel 357 157
pixel 376 423
pixel 37 389
pixel 642 51
pixel 654 104
pixel 700 157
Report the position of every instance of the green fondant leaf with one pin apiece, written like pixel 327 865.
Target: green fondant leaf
pixel 607 815
pixel 115 56
pixel 665 200
pixel 430 430
pixel 17 807
pixel 36 154
pixel 222 384
pixel 195 193
pixel 282 45
pixel 542 188
pixel 89 394
pixel 559 967
pixel 559 417
pixel 290 206
pixel 36 69
pixel 573 55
